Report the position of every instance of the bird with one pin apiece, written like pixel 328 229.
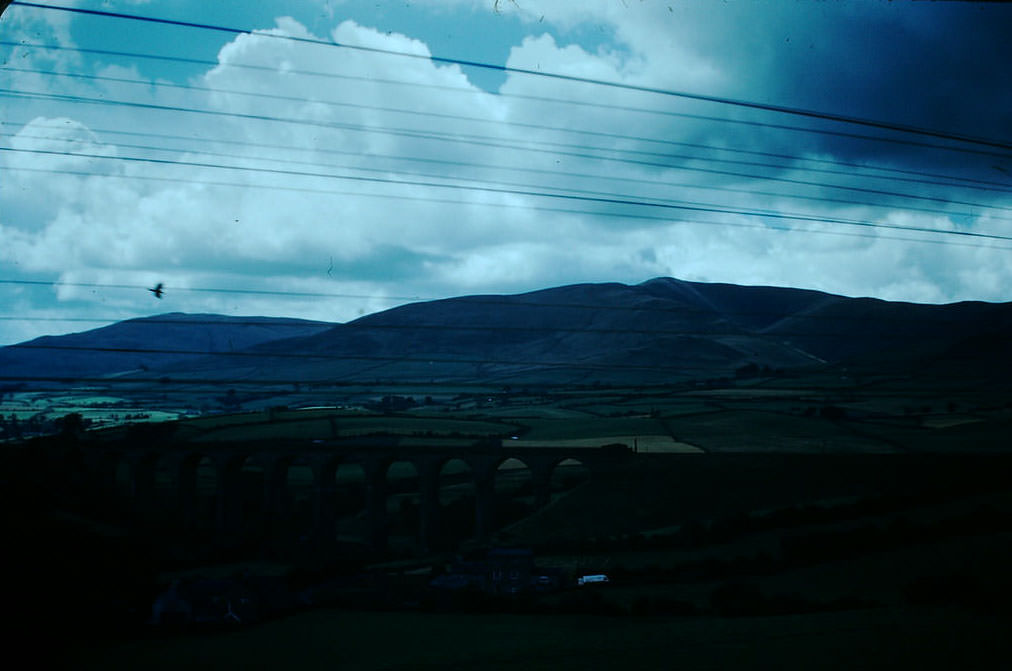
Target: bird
pixel 157 291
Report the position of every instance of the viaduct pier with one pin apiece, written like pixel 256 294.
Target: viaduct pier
pixel 162 474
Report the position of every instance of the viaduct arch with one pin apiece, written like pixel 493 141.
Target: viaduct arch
pixel 100 461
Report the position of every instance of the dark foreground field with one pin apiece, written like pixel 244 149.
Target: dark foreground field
pixel 769 561
pixel 752 528
pixel 862 639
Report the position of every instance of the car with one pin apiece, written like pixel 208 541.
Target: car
pixel 592 579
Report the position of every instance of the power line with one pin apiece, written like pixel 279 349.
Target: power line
pixel 252 352
pixel 158 380
pixel 523 192
pixel 674 389
pixel 555 210
pixel 470 139
pixel 542 195
pixel 538 73
pixel 275 160
pixel 971 183
pixel 231 321
pixel 559 173
pixel 166 377
pixel 516 300
pixel 308 323
pixel 909 323
pixel 906 321
pixel 518 96
pixel 584 365
pixel 369 326
pixel 999 186
pixel 400 172
pixel 312 294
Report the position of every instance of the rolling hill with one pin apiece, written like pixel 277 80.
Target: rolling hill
pixel 144 344
pixel 661 330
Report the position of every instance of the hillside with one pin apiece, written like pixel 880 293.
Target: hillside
pixel 659 331
pixel 144 344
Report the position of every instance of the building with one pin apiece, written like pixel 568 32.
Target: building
pixel 503 572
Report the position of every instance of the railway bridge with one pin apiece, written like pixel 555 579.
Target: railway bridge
pixel 163 474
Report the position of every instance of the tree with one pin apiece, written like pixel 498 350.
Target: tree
pixel 230 401
pixel 72 424
pixel 748 370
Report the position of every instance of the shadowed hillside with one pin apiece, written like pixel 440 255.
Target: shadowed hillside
pixel 146 343
pixel 659 331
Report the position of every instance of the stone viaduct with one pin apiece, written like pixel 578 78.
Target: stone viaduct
pixel 97 464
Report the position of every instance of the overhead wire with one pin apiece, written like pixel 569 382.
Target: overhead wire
pixel 265 352
pixel 371 380
pixel 564 101
pixel 165 378
pixel 354 326
pixel 999 186
pixel 745 103
pixel 481 141
pixel 514 300
pixel 402 172
pixel 272 322
pixel 602 200
pixel 468 164
pixel 781 109
pixel 263 292
pixel 625 216
pixel 984 185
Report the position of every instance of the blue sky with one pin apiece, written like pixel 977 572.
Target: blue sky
pixel 469 33
pixel 365 179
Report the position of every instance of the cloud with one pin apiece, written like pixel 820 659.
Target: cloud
pixel 343 182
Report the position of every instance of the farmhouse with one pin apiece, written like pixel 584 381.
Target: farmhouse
pixel 503 571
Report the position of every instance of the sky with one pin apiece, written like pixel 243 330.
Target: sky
pixel 254 174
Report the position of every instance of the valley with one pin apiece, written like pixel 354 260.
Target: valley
pixel 721 454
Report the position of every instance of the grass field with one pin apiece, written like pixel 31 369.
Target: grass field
pixel 642 443
pixel 100 410
pixel 326 425
pixel 756 431
pixel 751 415
pixel 327 639
pixel 592 428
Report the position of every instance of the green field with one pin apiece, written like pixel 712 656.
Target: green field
pixel 873 414
pixel 98 409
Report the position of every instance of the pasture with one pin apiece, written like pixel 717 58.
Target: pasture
pixel 816 413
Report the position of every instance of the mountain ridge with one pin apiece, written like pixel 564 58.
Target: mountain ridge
pixel 659 330
pixel 127 345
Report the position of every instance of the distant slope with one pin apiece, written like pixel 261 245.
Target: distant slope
pixel 658 331
pixel 875 332
pixel 121 347
pixel 573 334
pixel 661 330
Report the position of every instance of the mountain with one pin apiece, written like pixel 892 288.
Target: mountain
pixel 661 330
pixel 127 346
